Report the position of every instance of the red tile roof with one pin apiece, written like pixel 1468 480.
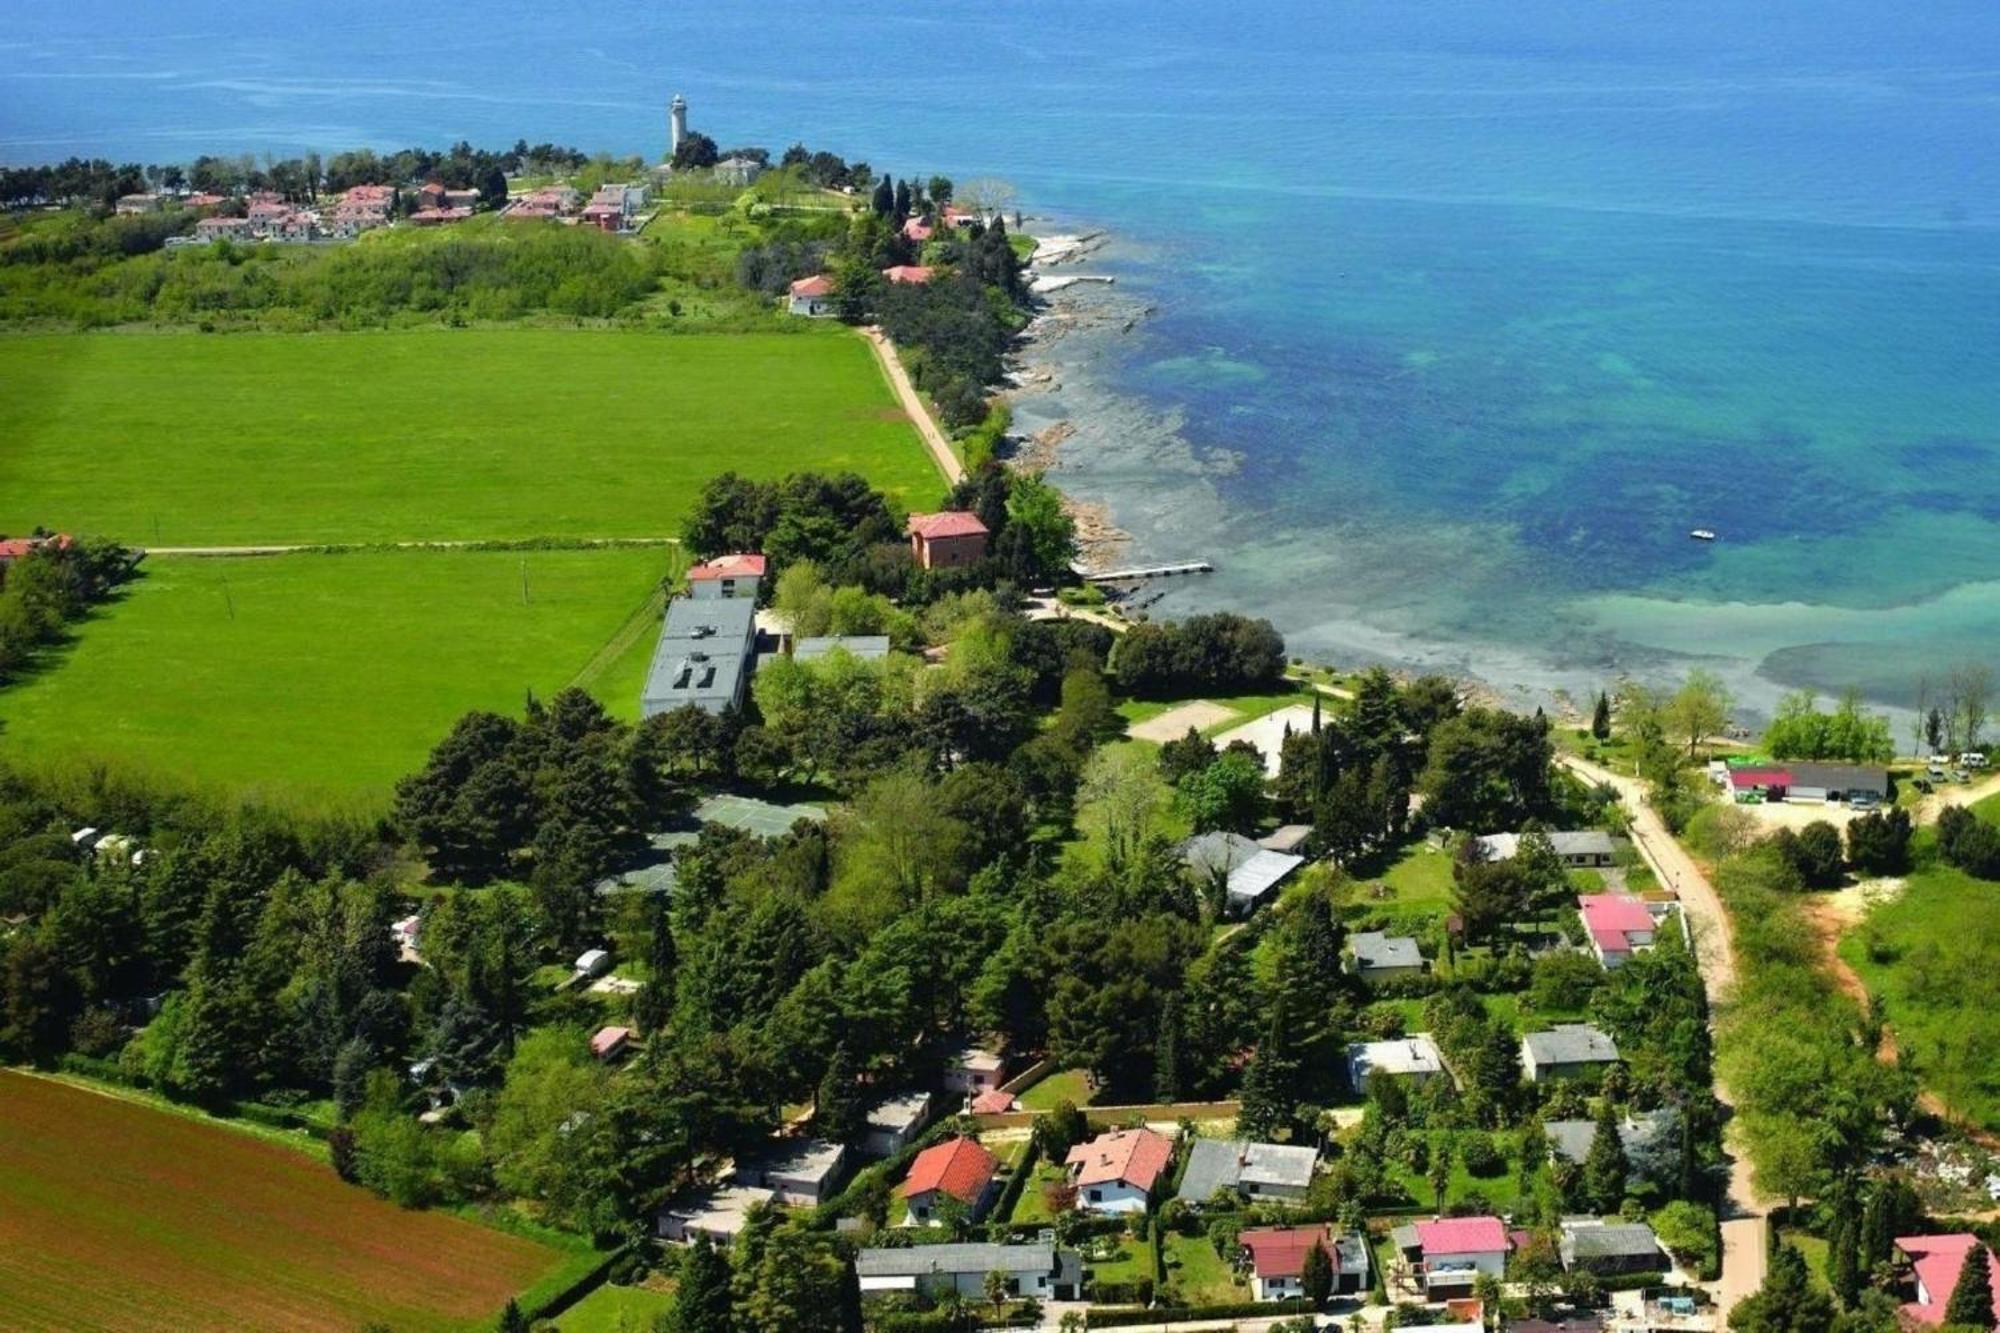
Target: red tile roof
pixel 949 523
pixel 960 1167
pixel 1281 1251
pixel 917 229
pixel 1938 1260
pixel 738 566
pixel 993 1102
pixel 608 1040
pixel 918 273
pixel 1760 777
pixel 1463 1235
pixel 1611 917
pixel 1135 1157
pixel 817 285
pixel 16 547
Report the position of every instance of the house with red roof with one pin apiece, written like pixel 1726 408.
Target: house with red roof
pixel 17 548
pixel 727 576
pixel 917 274
pixel 960 1169
pixel 1935 1262
pixel 994 1102
pixel 918 230
pixel 1276 1257
pixel 811 297
pixel 438 217
pixel 1446 1257
pixel 1618 926
pixel 1117 1172
pixel 947 540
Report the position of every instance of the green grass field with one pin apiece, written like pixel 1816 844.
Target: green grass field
pixel 329 675
pixel 1202 1275
pixel 612 1309
pixel 180 439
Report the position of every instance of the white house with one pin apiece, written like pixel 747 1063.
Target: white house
pixel 1447 1256
pixel 1277 1257
pixel 1415 1057
pixel 726 576
pixel 895 1123
pixel 1584 849
pixel 1117 1172
pixel 811 297
pixel 973 1070
pixel 718 1213
pixel 960 1169
pixel 1618 926
pixel 593 963
pixel 1041 1271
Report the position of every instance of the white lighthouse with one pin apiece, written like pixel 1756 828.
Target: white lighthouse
pixel 677 123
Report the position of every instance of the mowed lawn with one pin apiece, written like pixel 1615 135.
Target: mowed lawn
pixel 183 439
pixel 329 676
pixel 114 1215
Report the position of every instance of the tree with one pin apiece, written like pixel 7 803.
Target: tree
pixel 1316 1276
pixel 1059 1129
pixel 1971 685
pixel 1190 754
pixel 995 1285
pixel 1605 1167
pixel 1879 843
pixel 1439 1175
pixel 703 1302
pixel 696 150
pixel 1270 1099
pixel 512 1320
pixel 838 1112
pixel 1788 1302
pixel 1228 794
pixel 1700 708
pixel 1971 1303
pixel 1600 717
pixel 1816 855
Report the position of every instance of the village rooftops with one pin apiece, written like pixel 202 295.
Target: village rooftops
pixel 961 1168
pixel 1134 1157
pixel 1570 1044
pixel 1254 1168
pixel 742 565
pixel 1937 1261
pixel 1373 949
pixel 912 273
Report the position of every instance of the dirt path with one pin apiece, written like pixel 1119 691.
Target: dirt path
pixel 1743 1227
pixel 920 416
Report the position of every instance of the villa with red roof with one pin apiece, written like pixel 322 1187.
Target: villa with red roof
pixel 1277 1259
pixel 1448 1255
pixel 727 576
pixel 1618 925
pixel 811 297
pixel 958 1169
pixel 1935 1262
pixel 918 230
pixel 918 274
pixel 1117 1172
pixel 947 540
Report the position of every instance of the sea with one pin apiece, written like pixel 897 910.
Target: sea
pixel 1438 325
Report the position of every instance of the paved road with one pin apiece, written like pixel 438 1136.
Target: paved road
pixel 920 416
pixel 1743 1236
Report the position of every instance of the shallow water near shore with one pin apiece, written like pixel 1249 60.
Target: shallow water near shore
pixel 1460 317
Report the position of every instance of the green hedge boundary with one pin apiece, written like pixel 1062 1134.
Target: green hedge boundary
pixel 1187 1314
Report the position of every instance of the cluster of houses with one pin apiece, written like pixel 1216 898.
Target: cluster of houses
pixel 813 296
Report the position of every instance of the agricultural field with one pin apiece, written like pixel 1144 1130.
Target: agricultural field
pixel 180 439
pixel 329 676
pixel 114 1214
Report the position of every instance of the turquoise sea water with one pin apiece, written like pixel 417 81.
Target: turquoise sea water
pixel 1464 314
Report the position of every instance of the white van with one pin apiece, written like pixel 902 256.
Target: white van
pixel 1972 759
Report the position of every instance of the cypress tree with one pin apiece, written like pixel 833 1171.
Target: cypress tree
pixel 1316 1276
pixel 1971 1304
pixel 1843 1255
pixel 1875 1231
pixel 1600 717
pixel 1604 1169
pixel 837 1111
pixel 702 1302
pixel 1167 1052
pixel 512 1320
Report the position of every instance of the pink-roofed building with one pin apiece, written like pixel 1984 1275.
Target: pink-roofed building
pixel 1449 1254
pixel 1618 926
pixel 994 1102
pixel 610 1043
pixel 431 195
pixel 918 230
pixel 812 297
pixel 1116 1172
pixel 954 216
pixel 726 576
pixel 917 274
pixel 947 540
pixel 1935 1262
pixel 438 217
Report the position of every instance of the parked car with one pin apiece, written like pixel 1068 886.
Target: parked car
pixel 1972 759
pixel 1863 800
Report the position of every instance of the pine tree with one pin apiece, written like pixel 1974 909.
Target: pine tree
pixel 837 1112
pixel 1316 1276
pixel 1843 1250
pixel 1876 1237
pixel 702 1303
pixel 1600 717
pixel 1270 1100
pixel 1971 1303
pixel 512 1320
pixel 1604 1169
pixel 654 1004
pixel 1787 1302
pixel 350 1075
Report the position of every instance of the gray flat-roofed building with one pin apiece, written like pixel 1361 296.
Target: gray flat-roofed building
pixel 706 651
pixel 1253 1170
pixel 1835 782
pixel 1584 848
pixel 1610 1248
pixel 1415 1057
pixel 802 1172
pixel 718 1213
pixel 894 1124
pixel 1565 1050
pixel 1377 956
pixel 867 647
pixel 1037 1270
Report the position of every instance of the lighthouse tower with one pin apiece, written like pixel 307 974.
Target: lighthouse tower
pixel 677 123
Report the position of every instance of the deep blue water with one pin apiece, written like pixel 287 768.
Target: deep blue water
pixel 1465 313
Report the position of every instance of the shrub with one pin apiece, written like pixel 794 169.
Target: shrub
pixel 1480 1155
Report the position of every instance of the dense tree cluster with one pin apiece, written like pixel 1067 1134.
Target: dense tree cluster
pixel 1801 731
pixel 42 592
pixel 1968 842
pixel 1222 653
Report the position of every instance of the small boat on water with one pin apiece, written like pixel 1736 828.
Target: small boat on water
pixel 1702 535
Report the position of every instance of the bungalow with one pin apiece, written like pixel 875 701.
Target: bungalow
pixel 960 1169
pixel 1277 1260
pixel 1249 1170
pixel 1571 1139
pixel 610 1043
pixel 895 1123
pixel 811 297
pixel 947 540
pixel 1116 1172
pixel 1618 926
pixel 802 1172
pixel 1807 782
pixel 719 1213
pixel 737 171
pixel 430 195
pixel 1374 956
pixel 1449 1255
pixel 1250 872
pixel 916 274
pixel 1609 1248
pixel 593 963
pixel 1041 1270
pixel 704 657
pixel 1414 1057
pixel 1584 850
pixel 974 1070
pixel 1935 1263
pixel 1566 1050
pixel 726 576
pixel 995 1102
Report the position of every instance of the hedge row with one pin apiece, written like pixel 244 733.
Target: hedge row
pixel 1190 1313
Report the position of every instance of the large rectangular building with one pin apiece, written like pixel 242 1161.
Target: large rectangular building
pixel 706 651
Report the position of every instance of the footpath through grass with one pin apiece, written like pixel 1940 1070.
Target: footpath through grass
pixel 327 677
pixel 180 439
pixel 120 1216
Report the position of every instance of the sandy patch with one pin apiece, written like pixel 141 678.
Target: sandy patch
pixel 1174 723
pixel 1796 815
pixel 1267 733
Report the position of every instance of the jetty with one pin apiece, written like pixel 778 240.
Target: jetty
pixel 1136 573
